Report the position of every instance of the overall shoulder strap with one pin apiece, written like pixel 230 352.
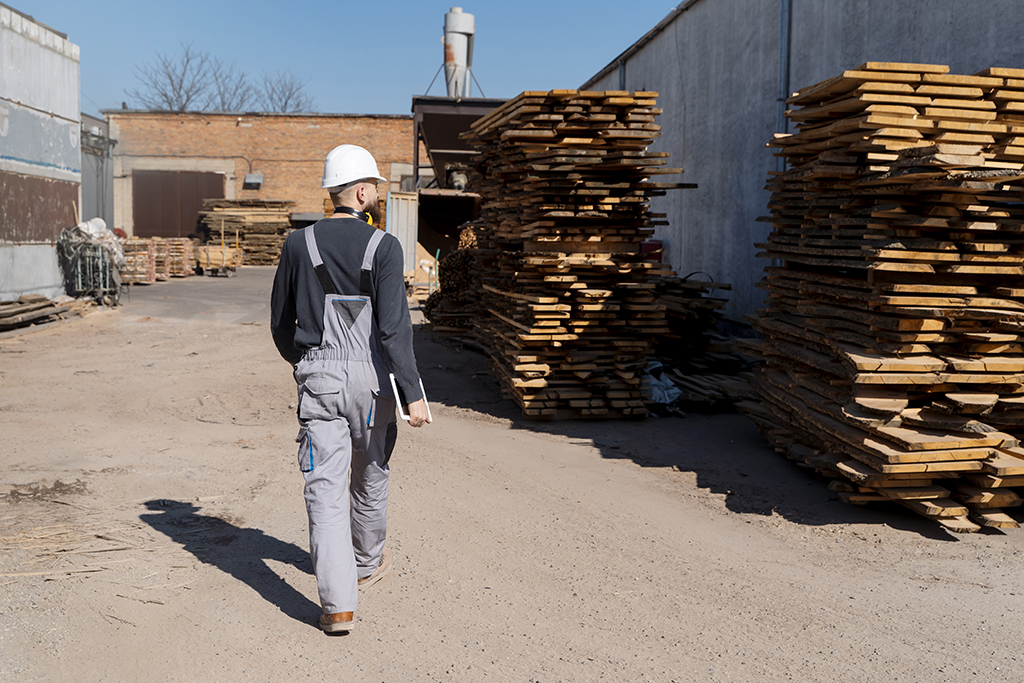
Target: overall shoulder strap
pixel 366 270
pixel 318 263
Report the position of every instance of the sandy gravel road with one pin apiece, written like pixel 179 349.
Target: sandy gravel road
pixel 152 527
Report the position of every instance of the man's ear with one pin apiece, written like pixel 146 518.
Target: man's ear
pixel 363 194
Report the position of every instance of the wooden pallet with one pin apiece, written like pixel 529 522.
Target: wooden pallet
pixel 140 262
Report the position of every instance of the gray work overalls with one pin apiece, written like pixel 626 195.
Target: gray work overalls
pixel 346 412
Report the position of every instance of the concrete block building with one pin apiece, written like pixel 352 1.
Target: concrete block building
pixel 724 69
pixel 40 155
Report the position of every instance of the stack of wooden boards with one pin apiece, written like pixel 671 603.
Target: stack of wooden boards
pixel 564 179
pixel 30 309
pixel 460 301
pixel 213 258
pixel 257 226
pixel 893 328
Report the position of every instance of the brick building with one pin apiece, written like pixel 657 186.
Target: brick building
pixel 166 163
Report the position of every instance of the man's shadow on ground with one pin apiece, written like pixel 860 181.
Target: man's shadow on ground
pixel 237 551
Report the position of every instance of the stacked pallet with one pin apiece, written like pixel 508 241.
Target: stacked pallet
pixel 257 226
pixel 893 328
pixel 30 309
pixel 162 258
pixel 181 257
pixel 564 184
pixel 140 262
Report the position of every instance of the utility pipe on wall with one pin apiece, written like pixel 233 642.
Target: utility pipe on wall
pixel 785 41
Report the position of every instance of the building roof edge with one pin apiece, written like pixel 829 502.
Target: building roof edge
pixel 644 39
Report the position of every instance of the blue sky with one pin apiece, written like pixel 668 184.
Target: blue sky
pixel 358 57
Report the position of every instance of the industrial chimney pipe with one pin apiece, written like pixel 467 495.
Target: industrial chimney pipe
pixel 459 28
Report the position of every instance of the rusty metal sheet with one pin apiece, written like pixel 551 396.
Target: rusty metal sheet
pixel 34 209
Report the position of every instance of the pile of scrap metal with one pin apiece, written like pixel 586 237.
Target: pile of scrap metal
pixel 91 259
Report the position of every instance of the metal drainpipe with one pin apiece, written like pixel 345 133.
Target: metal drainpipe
pixel 784 47
pixel 415 153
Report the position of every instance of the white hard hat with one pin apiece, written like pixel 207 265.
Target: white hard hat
pixel 348 163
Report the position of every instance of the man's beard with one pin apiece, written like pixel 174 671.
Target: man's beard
pixel 374 210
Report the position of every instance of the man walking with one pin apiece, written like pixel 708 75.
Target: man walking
pixel 339 315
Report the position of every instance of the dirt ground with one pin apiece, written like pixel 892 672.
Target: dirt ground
pixel 152 526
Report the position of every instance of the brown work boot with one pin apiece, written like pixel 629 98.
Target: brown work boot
pixel 337 622
pixel 380 572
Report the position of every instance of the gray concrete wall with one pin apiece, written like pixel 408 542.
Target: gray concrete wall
pixel 40 154
pixel 29 269
pixel 39 101
pixel 716 66
pixel 98 188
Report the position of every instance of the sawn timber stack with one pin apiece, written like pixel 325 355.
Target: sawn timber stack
pixel 257 226
pixel 893 328
pixel 564 178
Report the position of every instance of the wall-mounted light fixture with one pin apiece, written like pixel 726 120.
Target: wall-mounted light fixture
pixel 252 181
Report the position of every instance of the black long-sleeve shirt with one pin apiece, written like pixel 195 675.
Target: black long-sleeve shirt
pixel 297 300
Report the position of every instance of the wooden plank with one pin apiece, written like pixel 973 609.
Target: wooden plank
pixel 942 507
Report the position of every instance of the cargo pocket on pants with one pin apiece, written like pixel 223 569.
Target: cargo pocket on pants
pixel 382 411
pixel 318 393
pixel 305 441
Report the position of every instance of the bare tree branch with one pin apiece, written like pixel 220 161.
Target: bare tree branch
pixel 283 92
pixel 230 88
pixel 175 83
pixel 194 80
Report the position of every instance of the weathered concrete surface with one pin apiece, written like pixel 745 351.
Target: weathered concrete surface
pixel 40 151
pixel 716 66
pixel 39 68
pixel 29 269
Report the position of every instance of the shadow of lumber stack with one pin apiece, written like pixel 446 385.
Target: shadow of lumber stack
pixel 257 226
pixel 892 329
pixel 571 309
pixel 697 357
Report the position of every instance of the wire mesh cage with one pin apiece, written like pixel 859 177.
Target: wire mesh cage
pixel 88 268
